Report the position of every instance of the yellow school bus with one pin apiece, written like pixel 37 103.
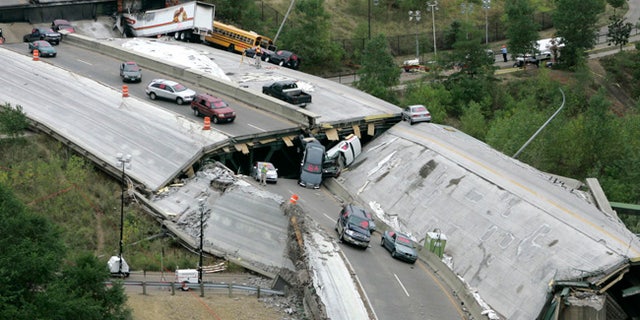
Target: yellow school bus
pixel 236 39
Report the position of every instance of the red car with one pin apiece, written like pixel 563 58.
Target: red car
pixel 213 107
pixel 61 24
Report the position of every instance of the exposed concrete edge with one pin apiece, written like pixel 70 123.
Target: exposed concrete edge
pixel 163 218
pixel 458 288
pixel 600 197
pixel 297 115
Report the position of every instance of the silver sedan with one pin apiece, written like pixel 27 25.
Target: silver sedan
pixel 416 113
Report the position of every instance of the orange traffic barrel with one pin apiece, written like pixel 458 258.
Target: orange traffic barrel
pixel 125 90
pixel 36 55
pixel 207 123
pixel 293 199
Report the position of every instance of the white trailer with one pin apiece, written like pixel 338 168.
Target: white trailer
pixel 190 21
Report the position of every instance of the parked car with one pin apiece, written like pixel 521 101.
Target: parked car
pixel 130 72
pixel 311 165
pixel 353 227
pixel 272 171
pixel 400 246
pixel 285 58
pixel 522 60
pixel 45 49
pixel 62 25
pixel 265 56
pixel 416 113
pixel 170 90
pixel 213 107
pixel 43 34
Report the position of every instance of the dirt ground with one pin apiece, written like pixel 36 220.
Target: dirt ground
pixel 190 306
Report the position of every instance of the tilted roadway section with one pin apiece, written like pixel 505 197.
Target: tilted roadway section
pixel 99 123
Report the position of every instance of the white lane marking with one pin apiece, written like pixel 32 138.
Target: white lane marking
pixel 400 282
pixel 328 217
pixel 85 62
pixel 250 125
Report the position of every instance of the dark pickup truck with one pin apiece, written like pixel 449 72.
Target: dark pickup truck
pixel 287 91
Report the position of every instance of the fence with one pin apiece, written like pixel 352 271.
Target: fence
pixel 214 288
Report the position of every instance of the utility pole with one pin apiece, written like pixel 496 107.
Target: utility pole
pixel 124 160
pixel 433 6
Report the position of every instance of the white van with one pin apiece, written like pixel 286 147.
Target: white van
pixel 186 275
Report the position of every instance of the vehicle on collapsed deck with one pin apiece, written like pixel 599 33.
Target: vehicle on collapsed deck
pixel 400 246
pixel 311 165
pixel 189 21
pixel 341 156
pixel 130 72
pixel 287 91
pixel 45 49
pixel 272 171
pixel 208 105
pixel 353 227
pixel 170 90
pixel 43 33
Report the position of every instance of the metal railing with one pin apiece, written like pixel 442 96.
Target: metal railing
pixel 210 286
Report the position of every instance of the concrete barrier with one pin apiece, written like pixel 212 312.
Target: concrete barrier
pixel 297 115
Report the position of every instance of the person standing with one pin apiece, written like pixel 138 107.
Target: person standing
pixel 263 175
pixel 258 56
pixel 504 53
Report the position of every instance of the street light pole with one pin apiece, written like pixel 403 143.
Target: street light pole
pixel 124 160
pixel 416 15
pixel 201 202
pixel 486 4
pixel 433 6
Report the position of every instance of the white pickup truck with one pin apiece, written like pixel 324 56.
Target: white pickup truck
pixel 341 155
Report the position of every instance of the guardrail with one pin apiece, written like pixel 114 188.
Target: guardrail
pixel 229 287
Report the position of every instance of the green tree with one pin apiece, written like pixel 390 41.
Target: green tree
pixel 34 281
pixel 576 22
pixel 310 37
pixel 243 13
pixel 522 30
pixel 473 122
pixel 12 120
pixel 379 73
pixel 433 95
pixel 619 31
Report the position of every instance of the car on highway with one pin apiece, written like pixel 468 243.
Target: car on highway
pixel 170 90
pixel 400 246
pixel 272 171
pixel 353 226
pixel 208 105
pixel 43 34
pixel 265 53
pixel 416 113
pixel 311 165
pixel 62 25
pixel 130 72
pixel 45 49
pixel 285 58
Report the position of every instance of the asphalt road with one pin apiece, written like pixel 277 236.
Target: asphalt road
pixel 395 289
pixel 104 69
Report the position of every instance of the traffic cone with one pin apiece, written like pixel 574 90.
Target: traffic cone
pixel 36 55
pixel 125 91
pixel 293 199
pixel 207 123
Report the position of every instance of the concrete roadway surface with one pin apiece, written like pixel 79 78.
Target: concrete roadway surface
pixel 105 69
pixel 395 289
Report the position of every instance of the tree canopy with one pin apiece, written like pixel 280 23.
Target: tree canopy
pixel 36 282
pixel 576 23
